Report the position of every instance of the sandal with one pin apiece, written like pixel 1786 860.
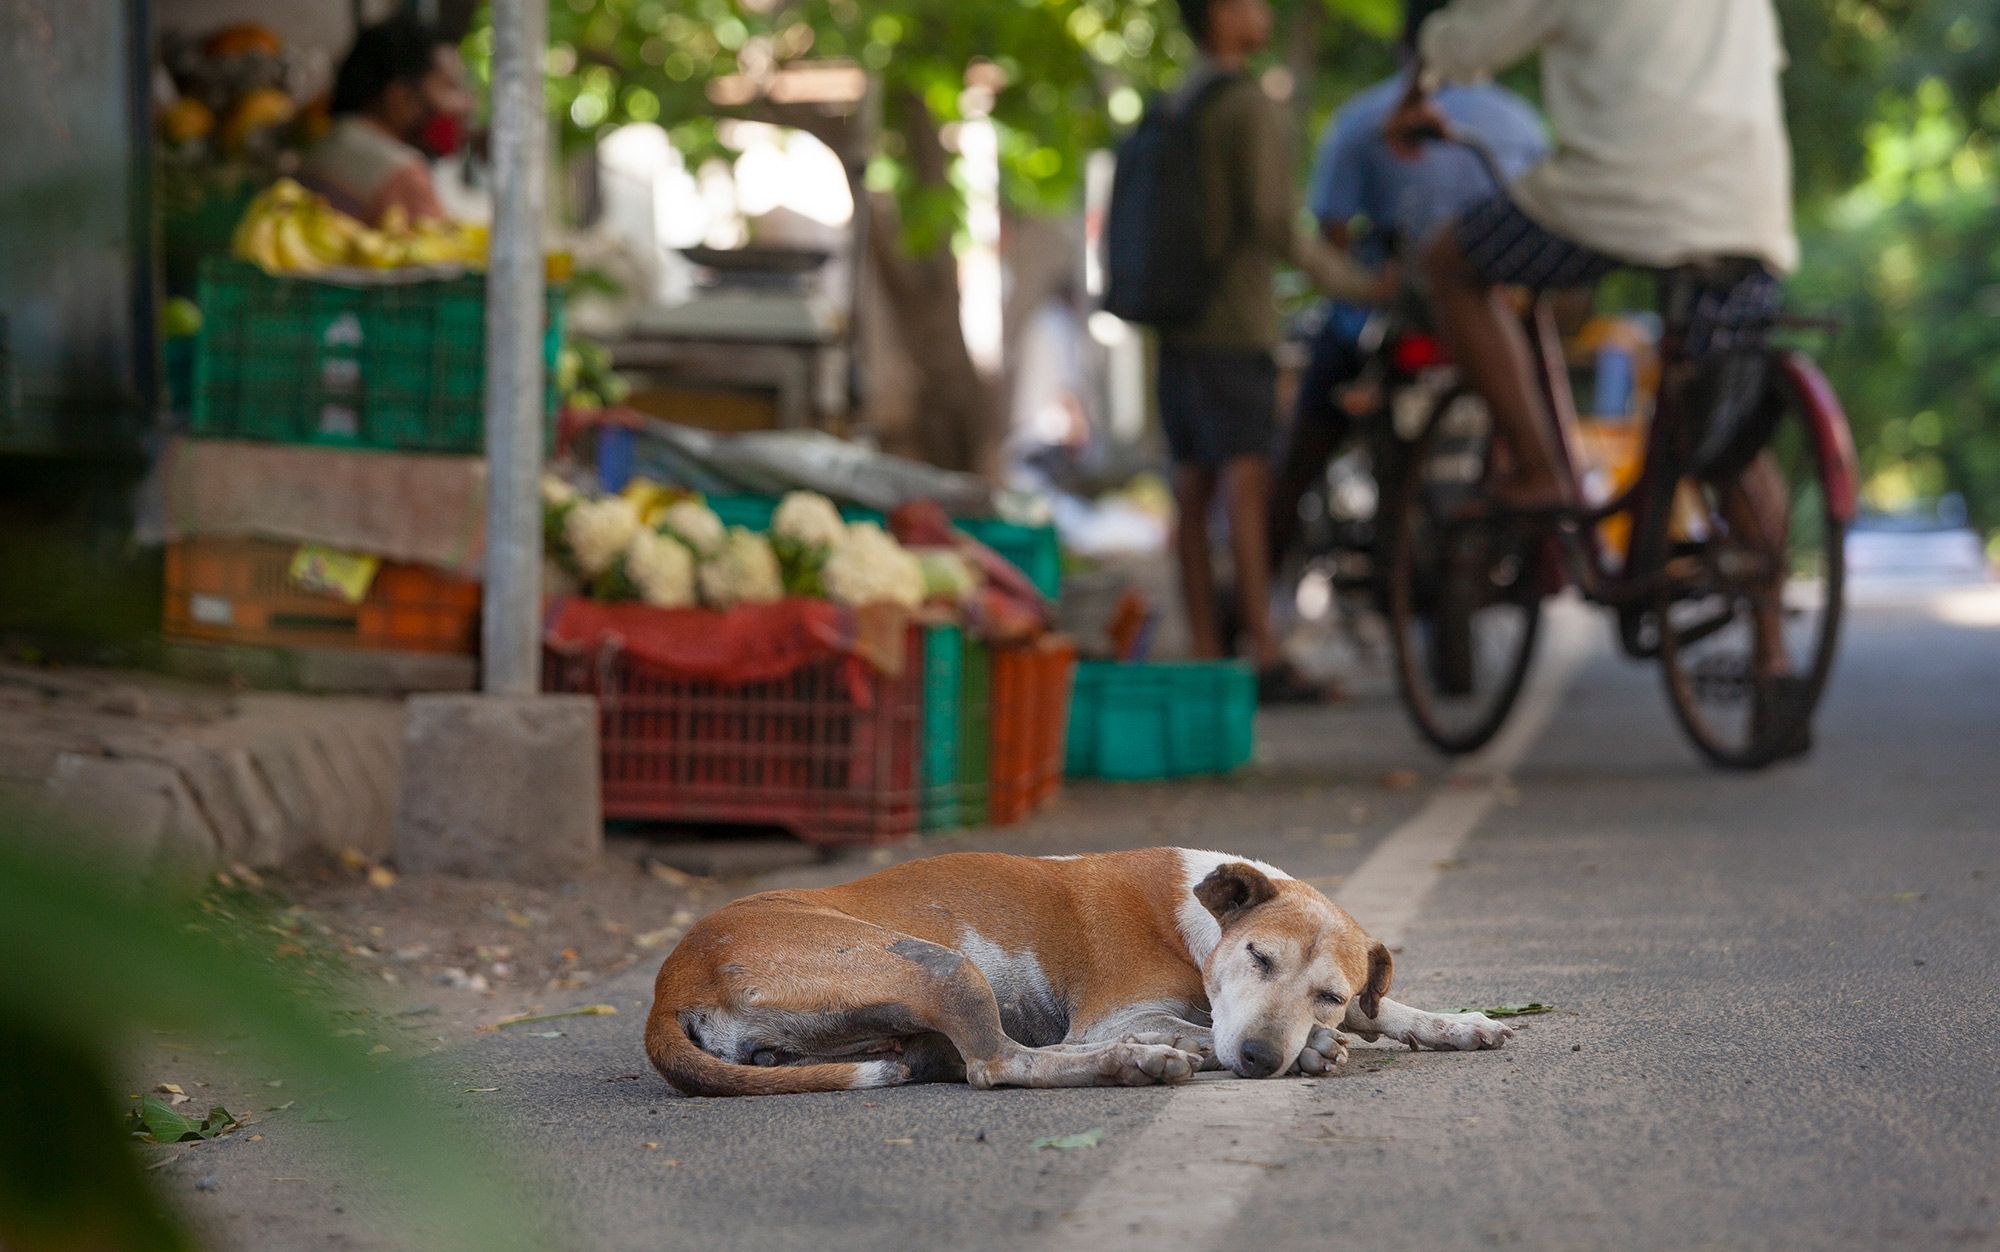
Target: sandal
pixel 1283 685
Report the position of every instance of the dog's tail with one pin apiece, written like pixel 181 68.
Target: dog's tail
pixel 682 1062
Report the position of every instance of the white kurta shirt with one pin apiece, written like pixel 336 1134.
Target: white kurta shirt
pixel 1670 129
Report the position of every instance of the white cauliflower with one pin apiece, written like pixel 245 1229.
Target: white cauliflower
pixel 870 567
pixel 808 518
pixel 556 492
pixel 694 524
pixel 598 531
pixel 661 568
pixel 743 570
pixel 947 575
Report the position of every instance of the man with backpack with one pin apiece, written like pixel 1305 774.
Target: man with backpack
pixel 1202 215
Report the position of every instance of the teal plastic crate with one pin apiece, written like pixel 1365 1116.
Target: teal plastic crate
pixel 1166 720
pixel 944 683
pixel 956 731
pixel 755 512
pixel 394 366
pixel 1034 550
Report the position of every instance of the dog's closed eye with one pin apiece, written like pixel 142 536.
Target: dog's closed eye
pixel 1265 965
pixel 1333 998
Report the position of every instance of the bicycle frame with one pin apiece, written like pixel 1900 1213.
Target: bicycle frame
pixel 1636 582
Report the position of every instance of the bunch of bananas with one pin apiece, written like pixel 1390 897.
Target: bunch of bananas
pixel 289 230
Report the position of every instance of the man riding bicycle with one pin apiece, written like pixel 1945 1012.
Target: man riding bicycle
pixel 1671 150
pixel 1357 179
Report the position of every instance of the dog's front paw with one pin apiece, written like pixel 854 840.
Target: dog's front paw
pixel 1324 1052
pixel 1200 1045
pixel 1130 1064
pixel 1458 1032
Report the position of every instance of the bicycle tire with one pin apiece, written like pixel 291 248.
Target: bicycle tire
pixel 1789 734
pixel 1405 520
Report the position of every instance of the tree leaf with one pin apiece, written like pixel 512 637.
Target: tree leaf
pixel 1069 1143
pixel 1531 1009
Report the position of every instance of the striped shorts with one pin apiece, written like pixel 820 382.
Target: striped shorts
pixel 1508 248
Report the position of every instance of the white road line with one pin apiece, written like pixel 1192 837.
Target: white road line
pixel 1170 1179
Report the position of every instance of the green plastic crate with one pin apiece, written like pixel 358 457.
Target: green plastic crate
pixel 944 682
pixel 957 713
pixel 1168 720
pixel 1034 550
pixel 395 367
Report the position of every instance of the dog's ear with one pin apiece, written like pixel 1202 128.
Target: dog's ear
pixel 1381 968
pixel 1232 890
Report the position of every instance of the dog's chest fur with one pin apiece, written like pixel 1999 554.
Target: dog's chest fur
pixel 1031 1010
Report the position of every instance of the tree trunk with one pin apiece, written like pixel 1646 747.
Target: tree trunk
pixel 956 408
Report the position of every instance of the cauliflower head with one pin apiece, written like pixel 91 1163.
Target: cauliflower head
pixel 808 518
pixel 743 570
pixel 870 567
pixel 599 531
pixel 662 570
pixel 696 525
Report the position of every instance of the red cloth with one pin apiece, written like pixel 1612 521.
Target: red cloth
pixel 747 644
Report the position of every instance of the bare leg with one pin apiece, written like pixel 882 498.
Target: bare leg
pixel 1491 346
pixel 1247 484
pixel 1755 507
pixel 1308 448
pixel 1194 493
pixel 1441 1032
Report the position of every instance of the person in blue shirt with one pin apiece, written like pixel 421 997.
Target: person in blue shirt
pixel 1377 205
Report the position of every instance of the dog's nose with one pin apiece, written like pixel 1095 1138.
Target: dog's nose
pixel 1260 1059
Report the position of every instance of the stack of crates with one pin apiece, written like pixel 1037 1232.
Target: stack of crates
pixel 391 368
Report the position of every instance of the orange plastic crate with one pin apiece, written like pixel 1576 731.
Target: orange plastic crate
pixel 1031 689
pixel 799 752
pixel 241 591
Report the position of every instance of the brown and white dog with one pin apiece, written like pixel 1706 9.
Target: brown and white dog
pixel 1126 968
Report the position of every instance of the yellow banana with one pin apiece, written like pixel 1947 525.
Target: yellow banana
pixel 295 251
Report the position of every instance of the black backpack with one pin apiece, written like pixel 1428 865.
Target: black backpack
pixel 1157 268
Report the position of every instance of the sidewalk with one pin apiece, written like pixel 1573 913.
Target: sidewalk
pixel 201 776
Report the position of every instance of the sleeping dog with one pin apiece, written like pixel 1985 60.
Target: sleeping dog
pixel 1127 968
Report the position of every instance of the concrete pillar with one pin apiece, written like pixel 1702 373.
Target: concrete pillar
pixel 500 787
pixel 505 785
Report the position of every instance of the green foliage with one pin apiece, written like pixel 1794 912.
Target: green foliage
pixel 88 965
pixel 1896 119
pixel 1057 77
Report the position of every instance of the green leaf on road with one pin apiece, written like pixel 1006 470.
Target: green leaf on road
pixel 1515 1010
pixel 159 1121
pixel 1068 1143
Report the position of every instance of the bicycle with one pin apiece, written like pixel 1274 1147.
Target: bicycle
pixel 1713 580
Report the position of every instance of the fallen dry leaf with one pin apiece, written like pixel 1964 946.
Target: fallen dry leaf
pixel 1401 779
pixel 674 877
pixel 900 1143
pixel 173 1092
pixel 522 1019
pixel 654 940
pixel 481 1090
pixel 381 877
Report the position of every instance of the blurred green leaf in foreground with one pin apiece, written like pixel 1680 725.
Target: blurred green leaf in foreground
pixel 90 962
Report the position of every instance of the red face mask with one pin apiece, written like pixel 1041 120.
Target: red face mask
pixel 441 135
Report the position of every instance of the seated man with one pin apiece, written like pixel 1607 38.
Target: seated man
pixel 1671 148
pixel 399 102
pixel 1356 177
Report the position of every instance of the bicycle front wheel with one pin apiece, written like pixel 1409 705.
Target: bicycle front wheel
pixel 1463 595
pixel 1750 620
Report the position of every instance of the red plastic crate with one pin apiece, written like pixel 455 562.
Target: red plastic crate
pixel 1031 689
pixel 241 591
pixel 800 752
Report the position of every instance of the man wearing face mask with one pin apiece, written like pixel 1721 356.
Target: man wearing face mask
pixel 399 103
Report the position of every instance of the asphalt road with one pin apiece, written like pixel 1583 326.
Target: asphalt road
pixel 1777 1017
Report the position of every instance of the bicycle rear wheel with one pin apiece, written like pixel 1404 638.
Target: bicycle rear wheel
pixel 1463 596
pixel 1750 622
